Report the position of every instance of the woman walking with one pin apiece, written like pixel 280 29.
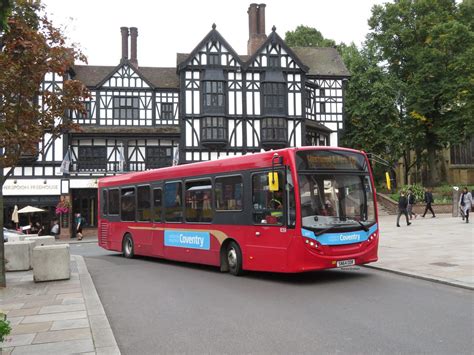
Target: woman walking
pixel 465 203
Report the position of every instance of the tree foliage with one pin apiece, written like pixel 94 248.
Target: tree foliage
pixel 428 46
pixel 304 36
pixel 32 48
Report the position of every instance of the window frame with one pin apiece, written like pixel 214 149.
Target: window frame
pixel 214 128
pixel 165 207
pixel 274 93
pixel 282 183
pixel 211 199
pixel 150 209
pixel 124 108
pixel 111 211
pixel 155 215
pixel 167 114
pixel 212 96
pixel 242 193
pixel 134 188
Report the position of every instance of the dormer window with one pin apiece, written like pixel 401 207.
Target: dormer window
pixel 126 107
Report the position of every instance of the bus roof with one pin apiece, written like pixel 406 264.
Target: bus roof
pixel 222 165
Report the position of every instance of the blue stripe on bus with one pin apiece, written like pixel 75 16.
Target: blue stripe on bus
pixel 340 238
pixel 187 239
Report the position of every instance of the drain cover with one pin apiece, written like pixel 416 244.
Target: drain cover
pixel 444 264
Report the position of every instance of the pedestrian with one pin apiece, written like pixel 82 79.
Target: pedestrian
pixel 78 221
pixel 428 200
pixel 40 229
pixel 55 229
pixel 411 201
pixel 465 203
pixel 402 208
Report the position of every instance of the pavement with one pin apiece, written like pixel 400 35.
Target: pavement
pixel 67 317
pixel 438 249
pixel 57 317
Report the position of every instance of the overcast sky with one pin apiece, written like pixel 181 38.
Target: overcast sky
pixel 169 27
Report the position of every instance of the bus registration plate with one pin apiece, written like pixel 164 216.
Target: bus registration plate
pixel 342 263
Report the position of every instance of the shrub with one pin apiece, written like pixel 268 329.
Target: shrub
pixel 5 328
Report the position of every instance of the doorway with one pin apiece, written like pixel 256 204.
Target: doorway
pixel 84 201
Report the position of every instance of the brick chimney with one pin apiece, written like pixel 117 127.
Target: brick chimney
pixel 133 46
pixel 256 27
pixel 124 31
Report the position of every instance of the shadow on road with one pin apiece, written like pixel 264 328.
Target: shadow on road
pixel 305 278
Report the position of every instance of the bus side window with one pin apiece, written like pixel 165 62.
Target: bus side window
pixel 143 203
pixel 157 205
pixel 114 202
pixel 104 202
pixel 268 206
pixel 128 204
pixel 173 205
pixel 198 201
pixel 228 193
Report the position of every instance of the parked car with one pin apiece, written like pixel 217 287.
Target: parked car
pixel 8 233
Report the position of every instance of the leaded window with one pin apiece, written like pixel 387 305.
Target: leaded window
pixel 274 131
pixel 274 98
pixel 322 107
pixel 167 111
pixel 214 59
pixel 158 157
pixel 92 158
pixel 214 99
pixel 126 107
pixel 214 130
pixel 274 61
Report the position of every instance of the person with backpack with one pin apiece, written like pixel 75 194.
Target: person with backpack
pixel 411 201
pixel 428 200
pixel 402 208
pixel 465 203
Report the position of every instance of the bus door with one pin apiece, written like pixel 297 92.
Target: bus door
pixel 157 224
pixel 268 242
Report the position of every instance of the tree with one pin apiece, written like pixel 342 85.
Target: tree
pixel 5 10
pixel 32 48
pixel 429 47
pixel 373 120
pixel 304 36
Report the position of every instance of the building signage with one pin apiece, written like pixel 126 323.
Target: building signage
pixel 25 187
pixel 83 183
pixel 186 239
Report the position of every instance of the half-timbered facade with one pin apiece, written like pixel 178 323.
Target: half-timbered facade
pixel 214 103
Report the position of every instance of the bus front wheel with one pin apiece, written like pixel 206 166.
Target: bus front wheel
pixel 234 259
pixel 128 247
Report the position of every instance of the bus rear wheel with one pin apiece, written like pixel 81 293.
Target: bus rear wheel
pixel 234 259
pixel 128 248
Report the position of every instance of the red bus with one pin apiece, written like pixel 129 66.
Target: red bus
pixel 289 210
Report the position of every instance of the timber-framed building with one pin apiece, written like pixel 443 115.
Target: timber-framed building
pixel 214 103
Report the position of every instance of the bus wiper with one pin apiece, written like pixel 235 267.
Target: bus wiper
pixel 363 226
pixel 318 233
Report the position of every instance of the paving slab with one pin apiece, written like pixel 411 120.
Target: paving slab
pixel 438 249
pixel 56 317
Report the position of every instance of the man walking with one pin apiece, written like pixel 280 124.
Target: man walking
pixel 428 200
pixel 465 203
pixel 411 201
pixel 402 208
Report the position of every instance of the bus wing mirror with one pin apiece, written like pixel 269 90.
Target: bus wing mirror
pixel 273 181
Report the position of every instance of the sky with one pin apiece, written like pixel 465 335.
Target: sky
pixel 177 26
